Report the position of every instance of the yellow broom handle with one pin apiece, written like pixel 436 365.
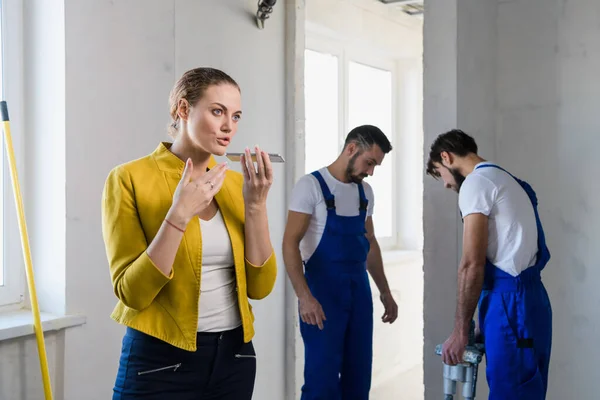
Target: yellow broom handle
pixel 37 323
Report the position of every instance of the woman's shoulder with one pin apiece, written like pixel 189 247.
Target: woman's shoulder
pixel 131 168
pixel 143 164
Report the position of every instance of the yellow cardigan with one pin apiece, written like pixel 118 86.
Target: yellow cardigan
pixel 135 201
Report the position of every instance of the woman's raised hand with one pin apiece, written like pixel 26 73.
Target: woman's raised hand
pixel 193 196
pixel 257 182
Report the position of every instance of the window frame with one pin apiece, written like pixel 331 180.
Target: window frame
pixel 13 291
pixel 346 52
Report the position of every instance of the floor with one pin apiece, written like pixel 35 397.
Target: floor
pixel 405 386
pixel 398 348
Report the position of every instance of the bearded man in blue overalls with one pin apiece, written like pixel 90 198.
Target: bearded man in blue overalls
pixel 329 245
pixel 504 252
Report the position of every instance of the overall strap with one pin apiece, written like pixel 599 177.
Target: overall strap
pixel 493 166
pixel 543 252
pixel 329 198
pixel 528 189
pixel 364 202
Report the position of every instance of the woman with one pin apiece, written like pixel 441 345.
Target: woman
pixel 188 244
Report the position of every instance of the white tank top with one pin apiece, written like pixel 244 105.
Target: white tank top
pixel 218 304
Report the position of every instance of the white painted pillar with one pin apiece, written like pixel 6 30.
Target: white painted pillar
pixel 295 122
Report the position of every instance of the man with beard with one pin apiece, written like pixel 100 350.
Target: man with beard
pixel 330 232
pixel 504 252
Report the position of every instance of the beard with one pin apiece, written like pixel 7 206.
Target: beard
pixel 351 174
pixel 458 179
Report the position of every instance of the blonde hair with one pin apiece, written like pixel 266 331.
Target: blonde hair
pixel 191 87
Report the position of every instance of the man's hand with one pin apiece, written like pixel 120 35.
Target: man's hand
pixel 454 348
pixel 391 308
pixel 311 311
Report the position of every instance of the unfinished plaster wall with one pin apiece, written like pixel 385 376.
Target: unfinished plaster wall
pixel 521 77
pixel 547 92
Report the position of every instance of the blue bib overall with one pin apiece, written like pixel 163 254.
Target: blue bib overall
pixel 515 319
pixel 338 358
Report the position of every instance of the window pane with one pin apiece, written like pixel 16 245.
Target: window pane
pixel 370 102
pixel 321 108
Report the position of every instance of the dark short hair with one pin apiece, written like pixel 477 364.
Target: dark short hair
pixel 456 142
pixel 365 136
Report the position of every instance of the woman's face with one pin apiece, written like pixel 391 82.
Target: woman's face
pixel 212 121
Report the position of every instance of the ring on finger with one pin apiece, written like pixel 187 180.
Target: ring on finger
pixel 211 184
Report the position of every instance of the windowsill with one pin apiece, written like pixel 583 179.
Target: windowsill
pixel 15 324
pixel 401 256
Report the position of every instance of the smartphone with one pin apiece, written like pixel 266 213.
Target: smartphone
pixel 275 158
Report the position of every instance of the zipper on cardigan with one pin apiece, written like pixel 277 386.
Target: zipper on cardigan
pixel 173 367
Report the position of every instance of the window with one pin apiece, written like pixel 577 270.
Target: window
pixel 12 283
pixel 343 91
pixel 370 102
pixel 322 104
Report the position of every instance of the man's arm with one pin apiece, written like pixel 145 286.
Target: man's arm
pixel 375 268
pixel 297 224
pixel 374 260
pixel 471 270
pixel 311 311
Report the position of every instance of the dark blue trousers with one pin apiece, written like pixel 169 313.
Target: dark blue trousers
pixel 222 368
pixel 338 359
pixel 516 323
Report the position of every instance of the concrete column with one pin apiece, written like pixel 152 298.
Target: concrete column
pixel 459 92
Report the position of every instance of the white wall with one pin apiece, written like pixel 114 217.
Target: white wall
pixel 99 76
pixel 521 76
pixel 19 358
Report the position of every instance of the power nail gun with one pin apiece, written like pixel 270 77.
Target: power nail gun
pixel 466 372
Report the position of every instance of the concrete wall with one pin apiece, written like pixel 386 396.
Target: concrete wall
pixel 521 76
pixel 98 80
pixel 547 132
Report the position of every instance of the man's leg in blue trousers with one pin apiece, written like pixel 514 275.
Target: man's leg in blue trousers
pixel 517 329
pixel 358 349
pixel 323 351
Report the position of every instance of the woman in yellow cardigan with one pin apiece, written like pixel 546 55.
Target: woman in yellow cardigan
pixel 188 244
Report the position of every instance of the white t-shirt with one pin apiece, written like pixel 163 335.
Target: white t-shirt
pixel 512 229
pixel 307 198
pixel 218 309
